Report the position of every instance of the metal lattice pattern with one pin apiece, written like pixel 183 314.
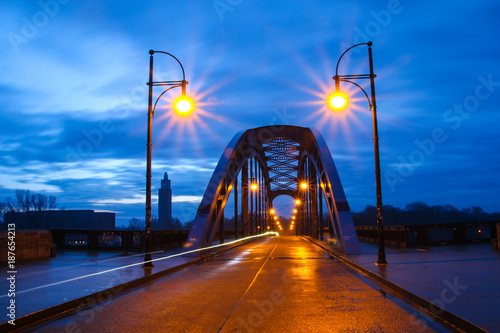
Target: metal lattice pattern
pixel 277 156
pixel 282 161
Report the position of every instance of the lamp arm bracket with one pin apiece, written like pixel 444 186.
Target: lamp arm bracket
pixel 182 68
pixel 357 85
pixel 154 108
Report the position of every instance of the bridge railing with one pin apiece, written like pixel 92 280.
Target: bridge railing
pixel 118 240
pixel 431 234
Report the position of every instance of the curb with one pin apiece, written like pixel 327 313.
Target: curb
pixel 63 308
pixel 442 314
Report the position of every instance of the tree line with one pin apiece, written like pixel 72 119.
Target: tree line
pixel 139 224
pixel 421 213
pixel 27 201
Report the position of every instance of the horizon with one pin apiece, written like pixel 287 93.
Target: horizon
pixel 74 97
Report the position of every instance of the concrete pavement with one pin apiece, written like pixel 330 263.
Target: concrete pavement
pixel 463 279
pixel 271 285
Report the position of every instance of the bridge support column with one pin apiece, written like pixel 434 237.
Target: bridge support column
pixel 320 210
pixel 251 221
pixel 235 189
pixel 220 212
pixel 314 202
pixel 244 200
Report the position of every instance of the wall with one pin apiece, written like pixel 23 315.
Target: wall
pixel 30 244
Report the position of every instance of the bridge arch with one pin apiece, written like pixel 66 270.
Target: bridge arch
pixel 263 163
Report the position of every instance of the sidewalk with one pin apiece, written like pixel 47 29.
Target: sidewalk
pixel 37 281
pixel 463 279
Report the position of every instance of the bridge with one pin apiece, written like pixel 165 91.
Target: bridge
pixel 244 277
pixel 263 163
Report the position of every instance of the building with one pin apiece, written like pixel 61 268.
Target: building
pixel 165 203
pixel 62 219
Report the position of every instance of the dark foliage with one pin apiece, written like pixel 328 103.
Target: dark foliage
pixel 421 213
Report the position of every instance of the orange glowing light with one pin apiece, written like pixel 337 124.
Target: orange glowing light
pixel 253 187
pixel 303 185
pixel 337 101
pixel 297 202
pixel 272 211
pixel 183 105
pixel 295 211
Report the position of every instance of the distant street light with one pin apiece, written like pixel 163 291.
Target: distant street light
pixel 182 105
pixel 338 102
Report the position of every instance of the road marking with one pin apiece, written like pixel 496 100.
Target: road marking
pixel 250 286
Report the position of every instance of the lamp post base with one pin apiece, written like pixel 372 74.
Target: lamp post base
pixel 381 260
pixel 147 262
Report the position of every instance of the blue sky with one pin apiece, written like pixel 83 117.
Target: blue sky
pixel 73 95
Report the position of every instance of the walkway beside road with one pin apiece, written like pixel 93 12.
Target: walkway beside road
pixel 38 281
pixel 463 279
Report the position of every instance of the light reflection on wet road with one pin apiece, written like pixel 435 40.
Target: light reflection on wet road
pixel 280 284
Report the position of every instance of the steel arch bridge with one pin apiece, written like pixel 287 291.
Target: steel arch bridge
pixel 263 163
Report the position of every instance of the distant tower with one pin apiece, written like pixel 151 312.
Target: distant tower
pixel 165 202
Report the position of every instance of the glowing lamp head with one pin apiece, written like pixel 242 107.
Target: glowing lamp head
pixel 272 211
pixel 297 202
pixel 303 185
pixel 275 217
pixel 337 101
pixel 295 211
pixel 183 105
pixel 253 186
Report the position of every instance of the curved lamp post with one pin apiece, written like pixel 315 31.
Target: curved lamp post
pixel 338 100
pixel 183 105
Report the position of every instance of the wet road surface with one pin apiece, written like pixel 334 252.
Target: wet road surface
pixel 279 284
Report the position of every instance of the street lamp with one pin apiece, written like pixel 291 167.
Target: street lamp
pixel 182 105
pixel 337 101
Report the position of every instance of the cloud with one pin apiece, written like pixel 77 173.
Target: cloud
pixel 187 198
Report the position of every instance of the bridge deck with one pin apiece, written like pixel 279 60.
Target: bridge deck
pixel 272 285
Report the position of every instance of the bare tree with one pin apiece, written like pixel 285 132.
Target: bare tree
pixel 52 203
pixel 39 201
pixel 25 201
pixel 135 224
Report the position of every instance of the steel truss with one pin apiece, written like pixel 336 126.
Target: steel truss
pixel 274 159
